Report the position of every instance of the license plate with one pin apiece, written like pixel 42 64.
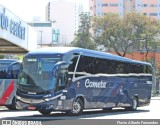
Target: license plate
pixel 31 108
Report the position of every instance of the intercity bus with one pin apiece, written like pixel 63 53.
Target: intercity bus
pixel 72 79
pixel 9 69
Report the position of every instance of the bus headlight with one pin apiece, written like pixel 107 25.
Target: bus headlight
pixel 18 97
pixel 47 99
pixel 52 98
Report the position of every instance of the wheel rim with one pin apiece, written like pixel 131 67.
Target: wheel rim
pixel 76 107
pixel 134 104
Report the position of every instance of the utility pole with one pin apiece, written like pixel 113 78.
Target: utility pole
pixel 41 38
pixel 52 33
pixel 154 69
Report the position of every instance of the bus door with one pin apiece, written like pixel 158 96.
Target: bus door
pixel 60 71
pixel 63 77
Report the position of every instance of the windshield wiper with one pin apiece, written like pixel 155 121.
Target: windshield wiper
pixel 30 88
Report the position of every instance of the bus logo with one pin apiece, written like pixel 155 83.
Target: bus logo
pixel 93 84
pixel 31 93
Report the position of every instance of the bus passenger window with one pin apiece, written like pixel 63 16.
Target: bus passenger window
pixel 3 74
pixel 13 71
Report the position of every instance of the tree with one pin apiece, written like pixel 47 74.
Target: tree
pixel 83 37
pixel 2 56
pixel 147 29
pixel 124 35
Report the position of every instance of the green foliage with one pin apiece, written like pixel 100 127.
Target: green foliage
pixel 9 56
pixel 20 57
pixel 124 35
pixel 83 37
pixel 2 56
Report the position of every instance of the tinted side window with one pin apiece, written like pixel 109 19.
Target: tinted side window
pixel 85 66
pixel 119 68
pixel 136 68
pixel 13 71
pixel 92 65
pixel 73 63
pixel 103 66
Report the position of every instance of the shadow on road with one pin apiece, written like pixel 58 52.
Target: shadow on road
pixel 6 110
pixel 63 116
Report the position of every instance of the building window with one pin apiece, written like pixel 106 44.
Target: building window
pixel 42 24
pixel 153 5
pixel 153 14
pixel 104 4
pixel 144 5
pixel 113 4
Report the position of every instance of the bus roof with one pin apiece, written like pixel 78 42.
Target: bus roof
pixel 92 53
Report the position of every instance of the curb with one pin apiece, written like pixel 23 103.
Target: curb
pixel 155 98
pixel 3 108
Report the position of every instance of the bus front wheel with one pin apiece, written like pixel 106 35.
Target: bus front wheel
pixel 134 105
pixel 77 108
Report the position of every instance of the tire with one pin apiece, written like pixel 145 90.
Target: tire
pixel 134 105
pixel 77 109
pixel 45 112
pixel 13 105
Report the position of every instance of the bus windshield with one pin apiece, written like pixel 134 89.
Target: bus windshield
pixel 36 74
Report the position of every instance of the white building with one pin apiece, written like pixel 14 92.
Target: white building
pixel 46 34
pixel 66 17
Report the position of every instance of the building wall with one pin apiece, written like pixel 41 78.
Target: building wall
pixel 66 17
pixel 100 7
pixel 147 7
pixel 129 6
pixel 44 33
pixel 92 7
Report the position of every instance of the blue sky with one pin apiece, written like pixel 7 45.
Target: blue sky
pixel 26 9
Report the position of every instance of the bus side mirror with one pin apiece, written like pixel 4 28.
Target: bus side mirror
pixel 55 71
pixel 57 67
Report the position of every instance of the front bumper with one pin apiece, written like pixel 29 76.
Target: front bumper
pixel 54 105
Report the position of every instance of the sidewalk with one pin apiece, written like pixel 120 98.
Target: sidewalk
pixel 3 108
pixel 155 98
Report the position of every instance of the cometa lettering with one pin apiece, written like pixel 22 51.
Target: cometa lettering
pixel 93 84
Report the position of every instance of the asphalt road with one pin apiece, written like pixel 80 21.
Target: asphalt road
pixel 147 112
